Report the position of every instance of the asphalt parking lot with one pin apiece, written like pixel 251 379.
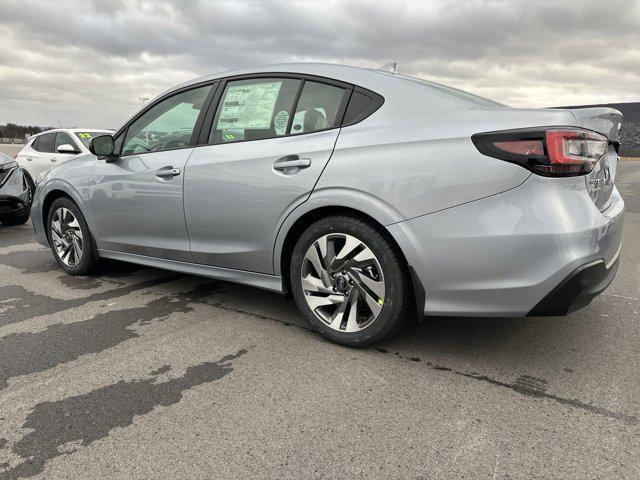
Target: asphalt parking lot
pixel 142 373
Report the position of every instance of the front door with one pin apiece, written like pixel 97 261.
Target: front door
pixel 136 200
pixel 269 142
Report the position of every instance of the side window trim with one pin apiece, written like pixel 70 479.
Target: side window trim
pixel 197 129
pixel 212 107
pixel 214 84
pixel 207 125
pixel 294 107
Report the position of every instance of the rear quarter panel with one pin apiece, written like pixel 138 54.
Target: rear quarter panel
pixel 415 153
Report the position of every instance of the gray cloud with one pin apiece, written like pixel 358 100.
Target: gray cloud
pixel 87 62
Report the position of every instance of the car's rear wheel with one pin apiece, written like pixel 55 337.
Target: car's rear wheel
pixel 349 281
pixel 70 238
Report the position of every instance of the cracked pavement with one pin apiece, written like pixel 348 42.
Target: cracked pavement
pixel 143 373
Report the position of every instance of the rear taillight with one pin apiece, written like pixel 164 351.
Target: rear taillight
pixel 555 152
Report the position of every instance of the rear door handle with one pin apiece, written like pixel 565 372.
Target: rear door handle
pixel 54 159
pixel 167 172
pixel 291 161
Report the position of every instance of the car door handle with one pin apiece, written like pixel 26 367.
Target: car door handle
pixel 167 172
pixel 29 159
pixel 54 159
pixel 291 161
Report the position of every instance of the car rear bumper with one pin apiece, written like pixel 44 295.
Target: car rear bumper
pixel 505 254
pixel 577 290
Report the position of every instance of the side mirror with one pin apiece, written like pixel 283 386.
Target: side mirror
pixel 66 148
pixel 102 146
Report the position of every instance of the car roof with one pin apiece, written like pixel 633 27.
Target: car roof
pixel 347 73
pixel 377 80
pixel 74 130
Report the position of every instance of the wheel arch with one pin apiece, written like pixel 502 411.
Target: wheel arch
pixel 311 216
pixel 58 189
pixel 48 200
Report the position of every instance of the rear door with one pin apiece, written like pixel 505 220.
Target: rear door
pixel 42 158
pixel 265 148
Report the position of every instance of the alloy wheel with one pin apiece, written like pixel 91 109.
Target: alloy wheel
pixel 343 282
pixel 66 235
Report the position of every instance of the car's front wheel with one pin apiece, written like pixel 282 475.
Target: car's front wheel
pixel 70 238
pixel 349 281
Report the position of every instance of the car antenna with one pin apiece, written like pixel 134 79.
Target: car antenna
pixel 60 123
pixel 389 67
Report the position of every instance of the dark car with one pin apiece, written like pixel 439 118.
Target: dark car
pixel 16 193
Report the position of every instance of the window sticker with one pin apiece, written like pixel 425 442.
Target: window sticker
pixel 280 122
pixel 84 135
pixel 249 106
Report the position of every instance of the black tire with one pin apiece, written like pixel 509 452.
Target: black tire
pixel 88 260
pixel 396 308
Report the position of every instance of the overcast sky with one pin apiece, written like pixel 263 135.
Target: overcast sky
pixel 86 63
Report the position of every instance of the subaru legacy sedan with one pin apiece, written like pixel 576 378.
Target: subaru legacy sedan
pixel 365 195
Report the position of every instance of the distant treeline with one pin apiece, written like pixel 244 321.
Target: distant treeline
pixel 11 130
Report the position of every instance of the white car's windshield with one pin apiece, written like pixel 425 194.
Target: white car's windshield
pixel 85 137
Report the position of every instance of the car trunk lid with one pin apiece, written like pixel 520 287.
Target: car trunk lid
pixel 607 121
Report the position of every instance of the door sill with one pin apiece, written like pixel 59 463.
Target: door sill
pixel 260 280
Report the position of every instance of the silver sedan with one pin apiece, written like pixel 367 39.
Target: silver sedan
pixel 367 196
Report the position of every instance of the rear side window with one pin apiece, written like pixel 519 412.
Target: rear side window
pixel 254 109
pixel 318 108
pixel 45 143
pixel 362 104
pixel 64 139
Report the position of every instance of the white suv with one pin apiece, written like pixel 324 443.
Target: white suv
pixel 52 147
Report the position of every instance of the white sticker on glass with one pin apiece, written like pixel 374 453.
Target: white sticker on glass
pixel 249 106
pixel 281 121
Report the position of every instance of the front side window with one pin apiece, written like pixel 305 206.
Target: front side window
pixel 167 125
pixel 318 108
pixel 254 109
pixel 64 139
